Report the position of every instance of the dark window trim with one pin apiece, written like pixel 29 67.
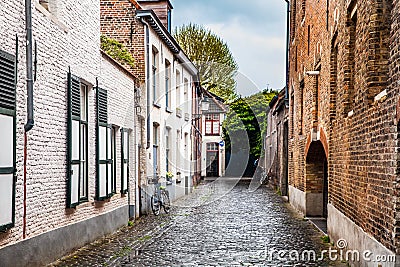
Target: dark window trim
pixel 212 125
pixel 8 112
pixel 124 160
pixel 102 122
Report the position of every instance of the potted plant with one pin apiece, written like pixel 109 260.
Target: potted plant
pixel 169 177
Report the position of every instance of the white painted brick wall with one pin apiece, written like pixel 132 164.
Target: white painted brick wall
pixel 72 39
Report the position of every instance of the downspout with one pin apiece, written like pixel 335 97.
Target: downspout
pixel 148 82
pixel 29 86
pixel 29 67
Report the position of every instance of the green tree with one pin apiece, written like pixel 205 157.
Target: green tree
pixel 212 57
pixel 248 114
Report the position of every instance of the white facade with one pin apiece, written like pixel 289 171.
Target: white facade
pixel 171 81
pixel 213 145
pixel 68 39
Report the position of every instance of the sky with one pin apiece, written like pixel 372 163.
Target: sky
pixel 255 31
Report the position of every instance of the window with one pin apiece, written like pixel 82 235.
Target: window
pixel 155 76
pixel 7 139
pixel 77 141
pixel 124 161
pixel 212 124
pixel 178 154
pixel 114 159
pixel 169 20
pixel 104 172
pixel 186 96
pixel 186 150
pixel 167 149
pixel 155 149
pixel 212 146
pixel 178 89
pixel 167 84
pixel 333 80
pixel 155 135
pixel 303 10
pixel 83 177
pixel 301 99
pixel 352 16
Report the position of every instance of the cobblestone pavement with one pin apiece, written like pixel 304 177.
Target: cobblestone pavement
pixel 220 224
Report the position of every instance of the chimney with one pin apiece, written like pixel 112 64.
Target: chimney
pixel 162 8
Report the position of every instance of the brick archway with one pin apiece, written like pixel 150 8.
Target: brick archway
pixel 322 138
pixel 316 180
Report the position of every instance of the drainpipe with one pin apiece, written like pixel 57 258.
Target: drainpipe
pixel 29 67
pixel 287 49
pixel 29 86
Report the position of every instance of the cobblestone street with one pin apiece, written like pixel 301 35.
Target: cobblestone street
pixel 220 224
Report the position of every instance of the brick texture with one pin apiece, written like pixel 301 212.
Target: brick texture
pixel 68 38
pixel 355 49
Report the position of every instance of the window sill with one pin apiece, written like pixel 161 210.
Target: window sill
pixel 50 16
pixel 167 109
pixel 156 105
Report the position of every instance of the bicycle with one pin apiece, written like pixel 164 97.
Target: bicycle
pixel 159 199
pixel 261 175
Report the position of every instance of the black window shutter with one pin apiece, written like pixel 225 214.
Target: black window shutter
pixel 103 148
pixel 73 136
pixel 8 79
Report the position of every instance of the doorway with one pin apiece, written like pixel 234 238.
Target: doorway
pixel 316 181
pixel 212 160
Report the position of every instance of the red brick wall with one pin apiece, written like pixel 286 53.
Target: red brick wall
pixel 117 18
pixel 393 100
pixel 362 155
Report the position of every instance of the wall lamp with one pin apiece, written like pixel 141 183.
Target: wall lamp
pixel 312 73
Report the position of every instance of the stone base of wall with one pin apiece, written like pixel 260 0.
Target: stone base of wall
pixel 314 204
pixel 48 247
pixel 297 199
pixel 341 227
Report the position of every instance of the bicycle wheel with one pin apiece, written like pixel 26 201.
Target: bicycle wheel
pixel 166 201
pixel 155 205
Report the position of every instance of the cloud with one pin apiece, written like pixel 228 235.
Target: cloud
pixel 254 30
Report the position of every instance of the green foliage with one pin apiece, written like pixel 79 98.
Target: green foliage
pixel 212 57
pixel 117 51
pixel 248 114
pixel 325 239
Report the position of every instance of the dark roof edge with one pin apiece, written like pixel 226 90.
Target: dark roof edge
pixel 154 22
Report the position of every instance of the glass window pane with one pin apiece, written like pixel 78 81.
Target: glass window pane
pixel 83 180
pixel 102 143
pixel 74 184
pixel 6 141
pixel 6 191
pixel 75 140
pixel 102 180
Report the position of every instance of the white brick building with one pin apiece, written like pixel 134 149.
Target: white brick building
pixel 213 145
pixel 171 82
pixel 80 155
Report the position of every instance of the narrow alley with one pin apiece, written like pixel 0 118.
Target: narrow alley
pixel 223 223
